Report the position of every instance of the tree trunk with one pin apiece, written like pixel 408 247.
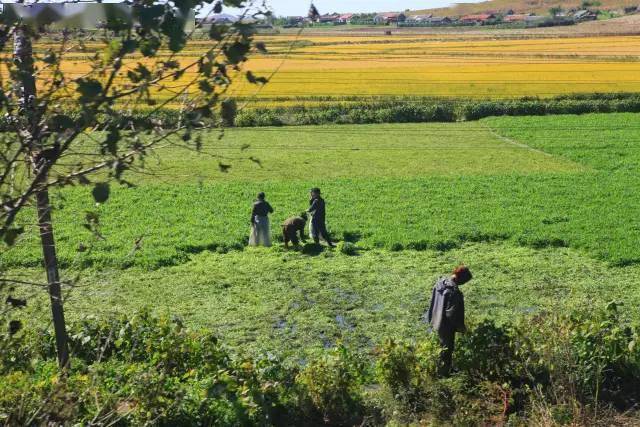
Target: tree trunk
pixel 23 57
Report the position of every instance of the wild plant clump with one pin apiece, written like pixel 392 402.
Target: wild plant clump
pixel 347 248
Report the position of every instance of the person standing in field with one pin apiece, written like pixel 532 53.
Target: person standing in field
pixel 317 226
pixel 446 313
pixel 260 230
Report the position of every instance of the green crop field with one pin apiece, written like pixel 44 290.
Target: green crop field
pixel 544 210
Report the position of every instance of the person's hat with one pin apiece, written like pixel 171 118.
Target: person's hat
pixel 463 273
pixel 315 190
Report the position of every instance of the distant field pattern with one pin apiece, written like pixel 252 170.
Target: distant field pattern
pixel 308 68
pixel 446 65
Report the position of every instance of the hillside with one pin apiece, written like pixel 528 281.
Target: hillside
pixel 526 6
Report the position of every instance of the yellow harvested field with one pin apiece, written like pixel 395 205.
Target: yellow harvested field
pixel 474 67
pixel 309 68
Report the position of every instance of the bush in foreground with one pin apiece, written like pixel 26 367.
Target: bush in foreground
pixel 558 369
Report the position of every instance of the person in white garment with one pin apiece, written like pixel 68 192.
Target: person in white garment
pixel 260 230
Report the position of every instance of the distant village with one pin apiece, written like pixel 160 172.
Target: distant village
pixel 95 15
pixel 556 16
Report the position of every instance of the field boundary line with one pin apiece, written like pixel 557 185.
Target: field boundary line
pixel 516 143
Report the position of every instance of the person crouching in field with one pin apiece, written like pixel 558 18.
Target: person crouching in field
pixel 446 313
pixel 317 226
pixel 260 231
pixel 292 227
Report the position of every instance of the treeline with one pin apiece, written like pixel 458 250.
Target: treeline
pixel 543 22
pixel 434 110
pixel 354 110
pixel 575 369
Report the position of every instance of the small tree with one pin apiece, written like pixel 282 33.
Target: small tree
pixel 555 11
pixel 62 131
pixel 313 13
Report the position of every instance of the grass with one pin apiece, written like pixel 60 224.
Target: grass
pixel 543 209
pixel 546 181
pixel 269 300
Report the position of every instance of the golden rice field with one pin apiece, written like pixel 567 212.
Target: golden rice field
pixel 309 66
pixel 438 66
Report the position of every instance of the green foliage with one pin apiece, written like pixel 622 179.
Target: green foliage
pixel 9 235
pixel 351 113
pixel 409 373
pixel 228 112
pixel 409 110
pixel 138 371
pixel 606 355
pixel 294 304
pixel 150 370
pixel 488 353
pixel 556 200
pixel 332 385
pixel 535 181
pixel 89 90
pixel 347 248
pixel 96 100
pixel 378 110
pixel 559 105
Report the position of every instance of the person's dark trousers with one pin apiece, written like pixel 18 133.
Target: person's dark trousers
pixel 291 238
pixel 321 231
pixel 447 341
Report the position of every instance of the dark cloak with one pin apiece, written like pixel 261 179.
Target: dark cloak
pixel 446 312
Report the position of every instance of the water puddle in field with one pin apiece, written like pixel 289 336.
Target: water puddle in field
pixel 326 342
pixel 343 323
pixel 280 324
pixel 528 310
pixel 294 306
pixel 349 300
pixel 284 326
pixel 304 300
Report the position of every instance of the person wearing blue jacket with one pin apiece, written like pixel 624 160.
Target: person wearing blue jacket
pixel 318 226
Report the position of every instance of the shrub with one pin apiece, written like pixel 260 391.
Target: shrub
pixel 332 388
pixel 487 352
pixel 354 110
pixel 312 248
pixel 564 368
pixel 607 357
pixel 143 370
pixel 347 248
pixel 409 373
pixel 396 247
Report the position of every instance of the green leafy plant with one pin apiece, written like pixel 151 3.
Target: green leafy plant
pixel 347 248
pixel 333 387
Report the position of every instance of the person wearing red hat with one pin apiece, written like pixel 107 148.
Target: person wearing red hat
pixel 446 313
